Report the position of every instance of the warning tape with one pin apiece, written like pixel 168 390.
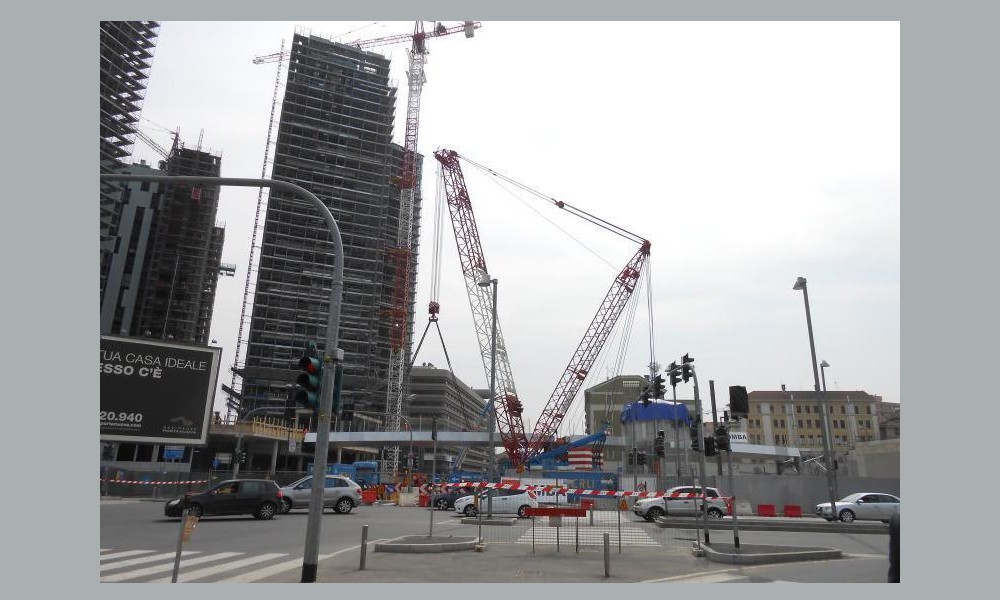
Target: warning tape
pixel 560 489
pixel 154 482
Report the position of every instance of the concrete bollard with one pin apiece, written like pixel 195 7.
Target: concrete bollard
pixel 364 545
pixel 607 555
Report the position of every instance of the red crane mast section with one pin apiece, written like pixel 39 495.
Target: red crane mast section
pixel 508 407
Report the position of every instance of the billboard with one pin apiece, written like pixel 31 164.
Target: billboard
pixel 155 391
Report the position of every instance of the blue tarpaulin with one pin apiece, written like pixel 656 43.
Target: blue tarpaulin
pixel 656 410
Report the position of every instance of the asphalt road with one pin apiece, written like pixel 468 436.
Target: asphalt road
pixel 138 544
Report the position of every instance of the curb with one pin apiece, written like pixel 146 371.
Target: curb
pixel 759 555
pixel 419 543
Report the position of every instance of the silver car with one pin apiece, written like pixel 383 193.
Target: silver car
pixel 681 500
pixel 870 506
pixel 341 494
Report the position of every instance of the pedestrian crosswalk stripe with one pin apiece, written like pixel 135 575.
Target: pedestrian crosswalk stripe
pixel 288 565
pixel 143 560
pixel 123 554
pixel 184 576
pixel 169 566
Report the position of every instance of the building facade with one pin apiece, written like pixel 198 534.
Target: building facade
pixel 126 54
pixel 457 407
pixel 334 139
pixel 793 418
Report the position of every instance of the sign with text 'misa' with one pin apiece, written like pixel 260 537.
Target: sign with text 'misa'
pixel 155 391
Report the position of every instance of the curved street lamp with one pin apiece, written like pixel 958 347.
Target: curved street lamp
pixel 800 284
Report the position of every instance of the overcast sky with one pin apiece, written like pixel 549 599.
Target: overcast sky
pixel 748 153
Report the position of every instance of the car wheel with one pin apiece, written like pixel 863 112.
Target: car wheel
pixel 442 505
pixel 847 515
pixel 265 511
pixel 522 512
pixel 343 506
pixel 654 512
pixel 196 510
pixel 470 511
pixel 715 513
pixel 286 505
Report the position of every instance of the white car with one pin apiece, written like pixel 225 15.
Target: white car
pixel 681 501
pixel 871 506
pixel 505 502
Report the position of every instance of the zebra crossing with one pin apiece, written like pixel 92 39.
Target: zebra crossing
pixel 152 566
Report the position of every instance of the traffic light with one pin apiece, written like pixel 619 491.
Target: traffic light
pixel 347 414
pixel 631 456
pixel 641 457
pixel 645 396
pixel 738 401
pixel 686 367
pixel 674 372
pixel 659 444
pixel 694 437
pixel 722 438
pixel 710 446
pixel 310 379
pixel 338 384
pixel 658 388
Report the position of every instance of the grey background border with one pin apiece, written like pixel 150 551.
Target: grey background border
pixel 948 144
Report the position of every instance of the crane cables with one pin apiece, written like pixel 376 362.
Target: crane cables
pixel 560 204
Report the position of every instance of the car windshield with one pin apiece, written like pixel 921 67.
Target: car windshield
pixel 851 497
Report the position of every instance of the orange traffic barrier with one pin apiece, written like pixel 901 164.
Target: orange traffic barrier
pixel 765 510
pixel 792 510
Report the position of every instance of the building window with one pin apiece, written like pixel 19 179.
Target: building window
pixel 868 409
pixel 800 423
pixel 807 410
pixel 798 409
pixel 842 409
pixel 782 423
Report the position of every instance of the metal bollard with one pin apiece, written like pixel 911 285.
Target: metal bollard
pixel 364 545
pixel 607 555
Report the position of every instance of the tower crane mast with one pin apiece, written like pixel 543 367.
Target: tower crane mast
pixel 407 180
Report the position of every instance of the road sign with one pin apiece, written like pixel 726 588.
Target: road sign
pixel 623 505
pixel 173 452
pixel 738 437
pixel 224 457
pixel 190 522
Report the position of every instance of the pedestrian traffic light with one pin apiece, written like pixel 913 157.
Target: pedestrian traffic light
pixel 686 367
pixel 310 379
pixel 658 388
pixel 659 444
pixel 694 437
pixel 347 414
pixel 722 438
pixel 710 446
pixel 641 458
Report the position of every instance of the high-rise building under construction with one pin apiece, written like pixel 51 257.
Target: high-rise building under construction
pixel 335 140
pixel 126 49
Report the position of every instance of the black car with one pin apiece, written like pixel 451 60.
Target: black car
pixel 258 497
pixel 446 500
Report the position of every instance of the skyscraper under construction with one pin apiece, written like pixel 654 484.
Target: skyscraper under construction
pixel 335 140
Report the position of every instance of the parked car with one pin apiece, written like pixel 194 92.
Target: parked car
pixel 505 502
pixel 446 500
pixel 258 497
pixel 681 501
pixel 870 506
pixel 341 494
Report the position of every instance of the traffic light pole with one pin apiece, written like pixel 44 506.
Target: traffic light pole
pixel 701 455
pixel 715 422
pixel 311 554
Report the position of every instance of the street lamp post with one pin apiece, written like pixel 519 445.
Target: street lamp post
pixel 800 284
pixel 850 418
pixel 485 281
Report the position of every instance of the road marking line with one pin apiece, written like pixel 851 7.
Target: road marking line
pixel 288 565
pixel 145 559
pixel 183 577
pixel 123 554
pixel 167 567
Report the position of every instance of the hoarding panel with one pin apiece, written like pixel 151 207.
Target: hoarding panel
pixel 155 391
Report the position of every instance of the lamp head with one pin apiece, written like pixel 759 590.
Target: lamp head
pixel 824 364
pixel 800 284
pixel 485 280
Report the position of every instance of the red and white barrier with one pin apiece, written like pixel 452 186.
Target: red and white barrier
pixel 172 482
